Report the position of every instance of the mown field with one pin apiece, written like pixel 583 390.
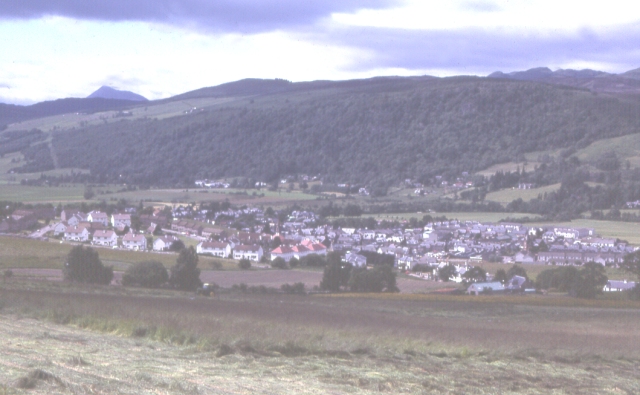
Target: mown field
pixel 506 196
pixel 66 339
pixel 461 216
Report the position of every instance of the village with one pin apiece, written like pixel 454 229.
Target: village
pixel 267 235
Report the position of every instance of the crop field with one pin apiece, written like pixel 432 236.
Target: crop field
pixel 71 340
pixel 508 195
pixel 27 253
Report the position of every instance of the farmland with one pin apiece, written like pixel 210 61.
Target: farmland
pixel 66 340
pixel 508 195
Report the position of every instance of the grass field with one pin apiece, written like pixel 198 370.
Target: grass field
pixel 27 253
pixel 462 216
pixel 29 194
pixel 510 166
pixel 629 231
pixel 508 195
pixel 101 340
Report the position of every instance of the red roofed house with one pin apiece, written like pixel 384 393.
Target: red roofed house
pixel 283 252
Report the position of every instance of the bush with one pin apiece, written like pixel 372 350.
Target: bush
pixel 589 281
pixel 244 264
pixel 446 273
pixel 84 266
pixel 378 279
pixel 294 262
pixel 177 246
pixel 279 263
pixel 297 289
pixel 313 260
pixel 336 273
pixel 149 274
pixel 185 274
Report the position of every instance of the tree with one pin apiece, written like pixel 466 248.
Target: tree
pixel 279 263
pixel 185 274
pixel 516 270
pixel 446 273
pixel 313 260
pixel 88 193
pixel 631 263
pixel 589 281
pixel 475 274
pixel 501 276
pixel 245 264
pixel 378 279
pixel 84 266
pixel 177 246
pixel 294 262
pixel 149 274
pixel 336 273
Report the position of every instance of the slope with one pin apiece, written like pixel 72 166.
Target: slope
pixel 369 132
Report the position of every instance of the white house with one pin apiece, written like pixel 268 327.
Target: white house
pixel 98 216
pixel 59 228
pixel 283 252
pixel 477 288
pixel 219 249
pixel 618 286
pixel 134 241
pixel 163 243
pixel 250 252
pixel 119 221
pixel 105 238
pixel 76 233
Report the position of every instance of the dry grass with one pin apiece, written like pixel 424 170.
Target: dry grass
pixel 167 342
pixel 111 342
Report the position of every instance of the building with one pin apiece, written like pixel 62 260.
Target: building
pixel 250 252
pixel 134 241
pixel 214 248
pixel 107 238
pixel 98 216
pixel 120 221
pixel 76 233
pixel 164 243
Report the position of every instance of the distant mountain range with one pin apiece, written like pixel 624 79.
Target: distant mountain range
pixel 106 92
pixel 597 81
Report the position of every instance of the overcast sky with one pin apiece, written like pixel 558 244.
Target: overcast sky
pixel 158 48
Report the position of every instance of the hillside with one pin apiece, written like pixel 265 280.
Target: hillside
pixel 377 131
pixel 11 113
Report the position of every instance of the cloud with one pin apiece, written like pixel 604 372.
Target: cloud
pixel 4 86
pixel 245 16
pixel 478 51
pixel 480 6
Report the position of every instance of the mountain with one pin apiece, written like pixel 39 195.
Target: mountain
pixel 11 113
pixel 107 92
pixel 596 81
pixel 374 131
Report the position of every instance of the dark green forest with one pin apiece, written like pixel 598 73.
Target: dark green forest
pixel 370 132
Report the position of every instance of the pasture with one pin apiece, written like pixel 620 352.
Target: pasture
pixel 66 340
pixel 506 196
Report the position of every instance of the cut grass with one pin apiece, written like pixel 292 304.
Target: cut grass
pixel 506 196
pixel 278 344
pixel 29 194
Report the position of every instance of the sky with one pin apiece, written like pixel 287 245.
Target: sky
pixel 159 48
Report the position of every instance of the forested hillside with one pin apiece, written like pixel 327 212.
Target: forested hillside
pixel 375 131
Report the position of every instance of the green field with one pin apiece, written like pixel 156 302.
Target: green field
pixel 461 216
pixel 629 231
pixel 29 194
pixel 27 253
pixel 506 196
pixel 508 167
pixel 625 147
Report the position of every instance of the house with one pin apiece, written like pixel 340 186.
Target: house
pixel 59 228
pixel 518 284
pixel 67 214
pixel 283 252
pixel 219 249
pixel 356 260
pixel 618 286
pixel 134 241
pixel 98 216
pixel 106 238
pixel 76 233
pixel 250 252
pixel 163 243
pixel 489 287
pixel 120 221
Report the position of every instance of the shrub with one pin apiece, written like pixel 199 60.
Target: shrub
pixel 589 281
pixel 294 262
pixel 279 263
pixel 446 273
pixel 185 274
pixel 244 264
pixel 84 266
pixel 336 273
pixel 297 288
pixel 177 246
pixel 634 294
pixel 313 260
pixel 378 279
pixel 150 274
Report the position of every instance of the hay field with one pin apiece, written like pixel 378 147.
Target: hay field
pixel 506 196
pixel 97 341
